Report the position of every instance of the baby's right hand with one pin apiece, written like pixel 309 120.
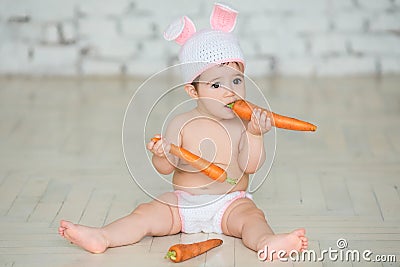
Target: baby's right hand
pixel 159 148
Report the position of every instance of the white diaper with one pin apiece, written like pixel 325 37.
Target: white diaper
pixel 203 213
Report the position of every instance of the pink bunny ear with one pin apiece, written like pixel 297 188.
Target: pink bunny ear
pixel 180 30
pixel 223 18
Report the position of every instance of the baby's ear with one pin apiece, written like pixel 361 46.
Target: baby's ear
pixel 223 18
pixel 191 91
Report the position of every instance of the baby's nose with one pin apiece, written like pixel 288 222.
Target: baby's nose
pixel 228 92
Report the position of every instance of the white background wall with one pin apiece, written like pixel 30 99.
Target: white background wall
pixel 284 37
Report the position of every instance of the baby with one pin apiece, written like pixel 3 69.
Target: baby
pixel 213 67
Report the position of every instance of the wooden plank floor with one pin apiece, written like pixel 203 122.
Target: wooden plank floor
pixel 61 157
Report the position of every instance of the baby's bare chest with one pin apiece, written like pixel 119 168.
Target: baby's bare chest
pixel 212 140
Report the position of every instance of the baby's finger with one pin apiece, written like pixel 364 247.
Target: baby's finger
pixel 150 145
pixel 255 123
pixel 163 146
pixel 259 113
pixel 160 150
pixel 166 147
pixel 263 118
pixel 255 117
pixel 157 145
pixel 269 123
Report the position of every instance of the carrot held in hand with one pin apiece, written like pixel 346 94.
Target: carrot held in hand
pixel 211 170
pixel 182 252
pixel 244 109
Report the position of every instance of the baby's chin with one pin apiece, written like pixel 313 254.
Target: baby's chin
pixel 227 116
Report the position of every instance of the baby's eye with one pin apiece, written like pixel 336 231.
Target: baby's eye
pixel 237 81
pixel 216 85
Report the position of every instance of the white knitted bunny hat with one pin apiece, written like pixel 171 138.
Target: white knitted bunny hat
pixel 206 48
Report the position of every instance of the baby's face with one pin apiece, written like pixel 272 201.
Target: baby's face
pixel 219 86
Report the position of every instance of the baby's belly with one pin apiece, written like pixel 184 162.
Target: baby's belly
pixel 198 184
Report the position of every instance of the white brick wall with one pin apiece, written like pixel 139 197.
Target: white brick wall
pixel 279 37
pixel 53 60
pixel 348 22
pixel 376 44
pixel 329 44
pixel 18 62
pixel 96 8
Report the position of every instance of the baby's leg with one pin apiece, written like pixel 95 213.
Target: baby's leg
pixel 244 220
pixel 149 219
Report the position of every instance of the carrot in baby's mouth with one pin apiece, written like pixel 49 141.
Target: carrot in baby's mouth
pixel 211 170
pixel 244 109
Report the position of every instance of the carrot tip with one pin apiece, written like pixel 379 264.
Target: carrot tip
pixel 155 139
pixel 231 181
pixel 171 255
pixel 230 105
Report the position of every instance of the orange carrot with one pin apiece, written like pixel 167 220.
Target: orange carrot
pixel 182 252
pixel 244 110
pixel 211 170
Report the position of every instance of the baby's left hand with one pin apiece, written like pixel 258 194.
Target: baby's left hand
pixel 259 123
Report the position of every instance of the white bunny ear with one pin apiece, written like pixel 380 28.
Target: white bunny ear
pixel 223 18
pixel 180 30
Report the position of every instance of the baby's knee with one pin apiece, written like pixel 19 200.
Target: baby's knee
pixel 142 209
pixel 157 218
pixel 249 209
pixel 254 213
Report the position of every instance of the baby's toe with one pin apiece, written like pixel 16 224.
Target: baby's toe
pixel 61 231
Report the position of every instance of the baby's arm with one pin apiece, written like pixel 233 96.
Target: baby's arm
pixel 251 150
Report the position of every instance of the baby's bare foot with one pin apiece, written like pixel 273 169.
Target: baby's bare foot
pixel 88 238
pixel 293 241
